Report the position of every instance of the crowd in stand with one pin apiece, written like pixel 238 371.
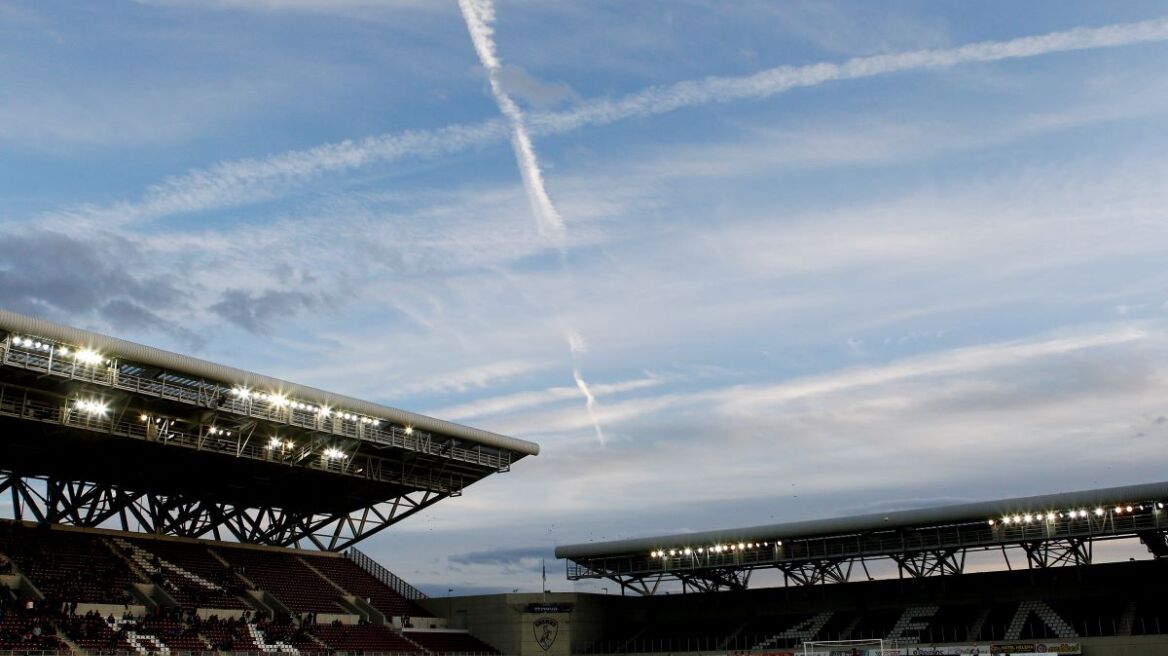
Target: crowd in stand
pixel 71 568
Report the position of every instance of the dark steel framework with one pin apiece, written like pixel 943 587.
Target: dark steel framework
pixel 108 443
pixel 1045 541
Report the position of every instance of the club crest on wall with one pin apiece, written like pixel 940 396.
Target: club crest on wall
pixel 546 629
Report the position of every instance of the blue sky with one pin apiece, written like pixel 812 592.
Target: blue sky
pixel 808 259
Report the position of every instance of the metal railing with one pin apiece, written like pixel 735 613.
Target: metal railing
pixel 15 403
pixel 395 582
pixel 213 395
pixel 1109 525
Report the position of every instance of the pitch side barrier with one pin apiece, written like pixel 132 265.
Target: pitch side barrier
pixel 1045 531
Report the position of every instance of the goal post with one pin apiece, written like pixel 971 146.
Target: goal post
pixel 871 647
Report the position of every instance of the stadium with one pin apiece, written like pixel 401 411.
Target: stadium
pixel 160 504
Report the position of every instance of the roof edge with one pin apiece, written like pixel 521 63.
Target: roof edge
pixel 139 353
pixel 937 515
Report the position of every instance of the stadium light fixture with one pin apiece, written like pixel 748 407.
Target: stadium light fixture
pixel 688 551
pixel 1098 512
pixel 1129 508
pixel 333 454
pixel 92 407
pixel 409 430
pixel 63 350
pixel 241 392
pixel 991 522
pixel 88 356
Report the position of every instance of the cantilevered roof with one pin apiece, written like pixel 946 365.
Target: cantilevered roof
pixel 146 355
pixel 908 519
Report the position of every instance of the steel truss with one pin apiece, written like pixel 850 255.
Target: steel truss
pixel 810 562
pixel 930 563
pixel 1055 553
pixel 821 570
pixel 49 500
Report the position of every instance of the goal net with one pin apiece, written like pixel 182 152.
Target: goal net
pixel 873 647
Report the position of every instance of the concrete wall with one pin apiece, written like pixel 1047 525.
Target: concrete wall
pixel 503 621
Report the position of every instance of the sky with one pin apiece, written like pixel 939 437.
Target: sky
pixel 727 263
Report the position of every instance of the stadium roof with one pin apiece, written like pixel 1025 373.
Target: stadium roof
pixel 100 430
pixel 923 542
pixel 19 323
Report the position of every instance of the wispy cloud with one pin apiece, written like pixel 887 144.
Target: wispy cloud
pixel 519 401
pixel 470 378
pixel 251 180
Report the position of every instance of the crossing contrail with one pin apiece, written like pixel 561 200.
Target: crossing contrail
pixel 479 16
pixel 240 182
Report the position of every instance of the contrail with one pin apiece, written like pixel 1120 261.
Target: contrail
pixel 479 15
pixel 577 346
pixel 240 182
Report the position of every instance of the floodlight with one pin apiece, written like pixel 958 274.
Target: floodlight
pixel 991 522
pixel 92 407
pixel 63 350
pixel 409 430
pixel 1129 508
pixel 88 356
pixel 688 551
pixel 17 341
pixel 1098 512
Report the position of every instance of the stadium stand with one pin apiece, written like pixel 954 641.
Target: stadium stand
pixel 283 575
pixel 347 575
pixel 1115 599
pixel 66 566
pixel 363 638
pixel 449 642
pixel 188 571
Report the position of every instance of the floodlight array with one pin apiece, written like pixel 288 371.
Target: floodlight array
pixel 97 409
pixel 85 356
pixel 91 407
pixel 1051 516
pixel 714 549
pixel 280 400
